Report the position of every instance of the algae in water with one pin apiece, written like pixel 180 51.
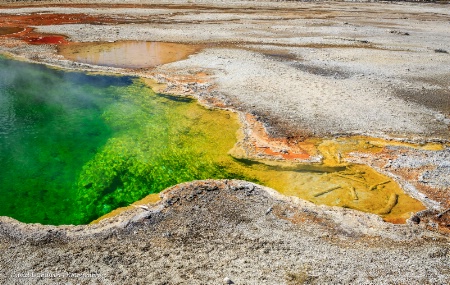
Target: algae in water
pixel 74 146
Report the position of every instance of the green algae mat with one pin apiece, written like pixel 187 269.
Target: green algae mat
pixel 75 146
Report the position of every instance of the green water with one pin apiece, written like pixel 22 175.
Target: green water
pixel 75 146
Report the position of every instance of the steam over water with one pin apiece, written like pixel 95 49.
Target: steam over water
pixel 75 146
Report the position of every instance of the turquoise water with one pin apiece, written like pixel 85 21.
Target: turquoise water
pixel 74 146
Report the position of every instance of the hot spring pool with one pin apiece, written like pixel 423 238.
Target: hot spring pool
pixel 74 146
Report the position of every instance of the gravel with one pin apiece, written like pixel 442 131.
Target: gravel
pixel 225 233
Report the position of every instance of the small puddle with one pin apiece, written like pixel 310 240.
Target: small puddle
pixel 76 146
pixel 128 54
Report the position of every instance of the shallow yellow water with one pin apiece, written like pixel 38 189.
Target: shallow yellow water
pixel 150 199
pixel 128 54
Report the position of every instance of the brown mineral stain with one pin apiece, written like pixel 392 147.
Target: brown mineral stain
pixel 44 19
pixel 10 30
pixel 262 145
pixel 47 40
pixel 128 54
pixel 19 26
pixel 286 155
